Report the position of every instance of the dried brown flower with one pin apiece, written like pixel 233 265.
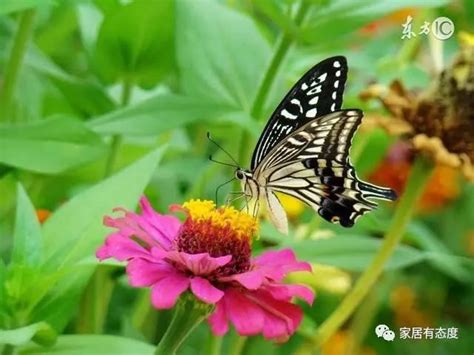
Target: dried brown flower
pixel 439 120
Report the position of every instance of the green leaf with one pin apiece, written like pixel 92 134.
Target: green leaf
pixel 228 64
pixel 8 6
pixel 160 114
pixel 93 344
pixel 86 97
pixel 353 253
pixel 276 11
pixel 136 42
pixel 39 332
pixel 75 230
pixel 27 243
pixel 343 17
pixel 60 304
pixel 439 256
pixel 49 146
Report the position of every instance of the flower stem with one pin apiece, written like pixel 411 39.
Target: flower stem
pixel 117 139
pixel 237 345
pixel 188 313
pixel 282 47
pixel 420 173
pixel 15 60
pixel 214 344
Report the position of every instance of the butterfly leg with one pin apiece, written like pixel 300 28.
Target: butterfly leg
pixel 229 200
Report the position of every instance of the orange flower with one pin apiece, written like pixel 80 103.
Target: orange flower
pixel 42 215
pixel 407 313
pixel 396 18
pixel 341 342
pixel 442 187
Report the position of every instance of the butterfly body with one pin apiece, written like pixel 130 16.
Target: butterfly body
pixel 304 152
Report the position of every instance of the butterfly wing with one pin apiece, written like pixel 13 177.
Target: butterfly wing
pixel 313 165
pixel 316 94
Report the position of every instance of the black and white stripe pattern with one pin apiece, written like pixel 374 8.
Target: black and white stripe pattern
pixel 312 164
pixel 304 152
pixel 317 93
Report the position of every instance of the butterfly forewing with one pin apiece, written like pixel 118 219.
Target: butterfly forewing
pixel 316 94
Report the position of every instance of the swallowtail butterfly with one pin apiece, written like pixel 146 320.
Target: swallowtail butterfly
pixel 304 152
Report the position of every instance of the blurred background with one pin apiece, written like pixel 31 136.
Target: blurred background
pixel 104 100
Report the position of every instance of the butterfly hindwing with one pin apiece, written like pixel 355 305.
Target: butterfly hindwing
pixel 312 164
pixel 317 93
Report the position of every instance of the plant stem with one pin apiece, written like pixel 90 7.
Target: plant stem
pixel 282 47
pixel 188 313
pixel 95 302
pixel 362 320
pixel 420 173
pixel 214 344
pixel 117 139
pixel 96 298
pixel 15 61
pixel 237 345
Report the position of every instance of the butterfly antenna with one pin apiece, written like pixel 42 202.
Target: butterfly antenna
pixel 221 162
pixel 222 185
pixel 220 147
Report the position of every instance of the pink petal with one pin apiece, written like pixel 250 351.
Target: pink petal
pixel 218 320
pixel 166 292
pixel 285 311
pixel 286 292
pixel 251 280
pixel 277 264
pixel 247 317
pixel 121 248
pixel 167 225
pixel 143 273
pixel 151 227
pixel 127 227
pixel 275 327
pixel 198 264
pixel 205 291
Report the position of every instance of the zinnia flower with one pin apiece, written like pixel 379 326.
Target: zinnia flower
pixel 209 254
pixel 439 120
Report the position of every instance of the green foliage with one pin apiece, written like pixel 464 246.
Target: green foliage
pixel 73 232
pixel 39 332
pixel 9 6
pixel 159 114
pixel 134 86
pixel 49 146
pixel 89 344
pixel 352 252
pixel 27 239
pixel 136 43
pixel 218 68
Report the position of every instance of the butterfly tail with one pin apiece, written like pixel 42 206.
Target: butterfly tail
pixel 373 191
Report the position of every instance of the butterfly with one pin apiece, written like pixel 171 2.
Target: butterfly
pixel 303 152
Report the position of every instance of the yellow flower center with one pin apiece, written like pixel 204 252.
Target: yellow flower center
pixel 241 223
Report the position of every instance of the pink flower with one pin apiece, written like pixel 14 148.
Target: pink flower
pixel 210 255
